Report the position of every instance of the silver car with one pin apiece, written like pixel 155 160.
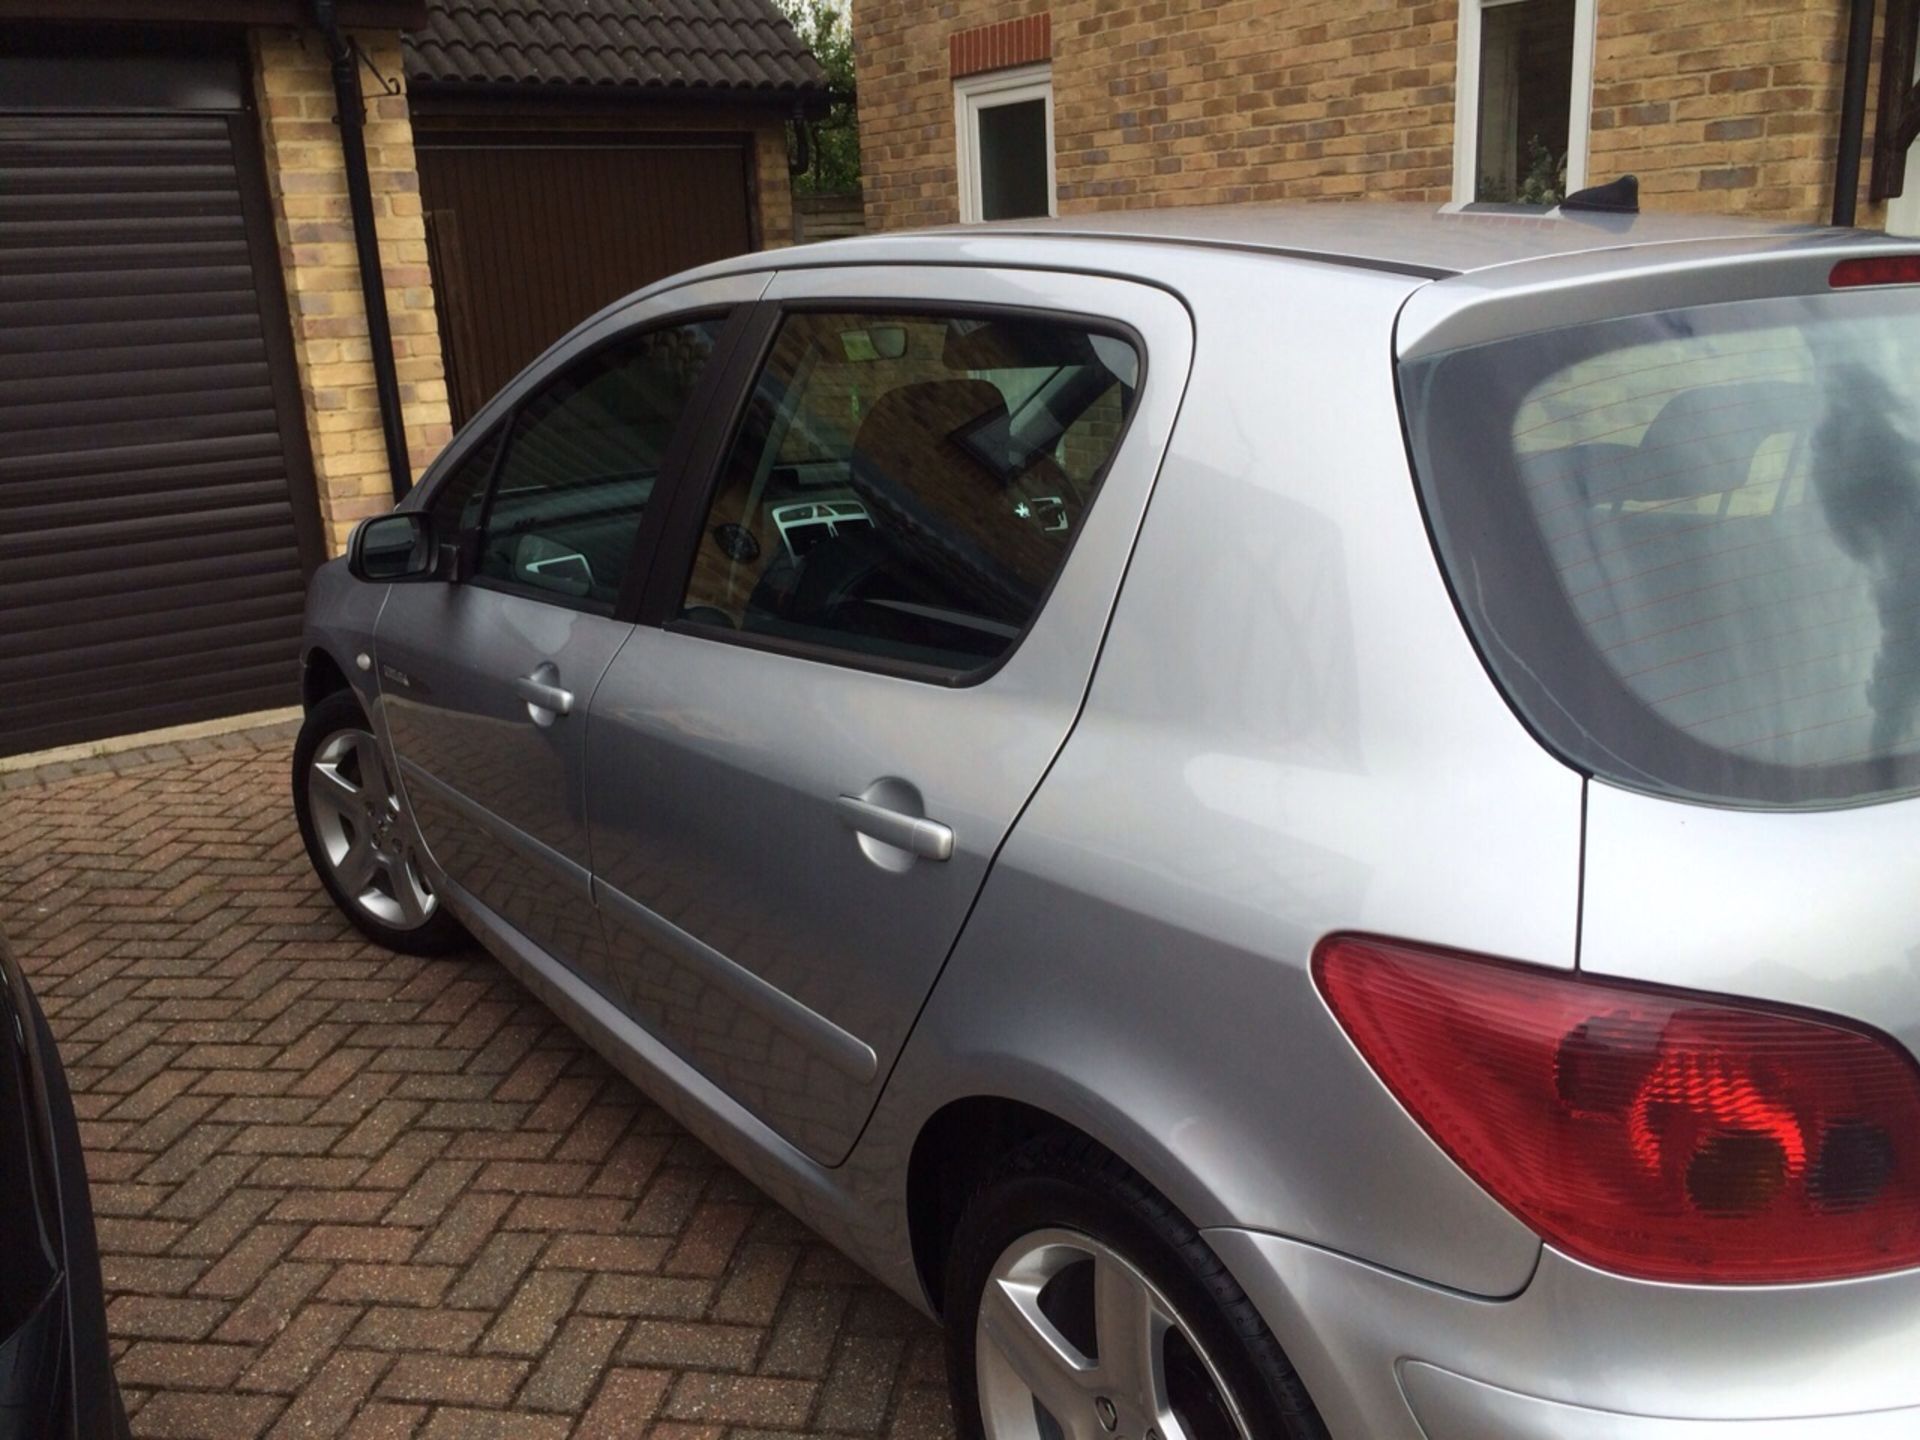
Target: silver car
pixel 1300 821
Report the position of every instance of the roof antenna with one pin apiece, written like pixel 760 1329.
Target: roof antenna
pixel 1617 197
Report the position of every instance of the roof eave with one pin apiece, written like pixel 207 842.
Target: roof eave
pixel 360 14
pixel 809 102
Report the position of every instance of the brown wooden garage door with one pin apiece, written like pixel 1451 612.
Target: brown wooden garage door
pixel 157 518
pixel 532 233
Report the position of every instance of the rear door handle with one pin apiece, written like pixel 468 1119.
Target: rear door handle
pixel 544 698
pixel 928 839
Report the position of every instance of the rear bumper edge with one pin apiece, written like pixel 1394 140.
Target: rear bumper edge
pixel 1452 1407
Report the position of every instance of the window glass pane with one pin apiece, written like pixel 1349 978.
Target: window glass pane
pixel 582 461
pixel 1526 89
pixel 1688 539
pixel 456 503
pixel 1013 160
pixel 907 486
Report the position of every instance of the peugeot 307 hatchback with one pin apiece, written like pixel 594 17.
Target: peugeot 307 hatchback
pixel 1300 821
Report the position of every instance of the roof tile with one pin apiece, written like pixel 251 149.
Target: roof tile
pixel 649 45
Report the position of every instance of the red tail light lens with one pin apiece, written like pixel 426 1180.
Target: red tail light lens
pixel 1649 1132
pixel 1875 270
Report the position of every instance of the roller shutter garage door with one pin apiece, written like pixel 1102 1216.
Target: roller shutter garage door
pixel 157 513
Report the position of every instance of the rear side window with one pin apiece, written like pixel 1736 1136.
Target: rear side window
pixel 1688 543
pixel 905 487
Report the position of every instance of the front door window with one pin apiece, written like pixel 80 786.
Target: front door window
pixel 581 463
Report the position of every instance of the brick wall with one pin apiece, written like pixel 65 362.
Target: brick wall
pixel 772 184
pixel 307 178
pixel 1728 107
pixel 1163 102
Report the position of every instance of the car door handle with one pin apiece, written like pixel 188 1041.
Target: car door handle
pixel 928 839
pixel 543 694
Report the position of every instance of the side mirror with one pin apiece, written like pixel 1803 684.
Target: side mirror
pixel 386 548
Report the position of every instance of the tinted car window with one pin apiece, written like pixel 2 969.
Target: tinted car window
pixel 1689 542
pixel 581 463
pixel 457 502
pixel 905 487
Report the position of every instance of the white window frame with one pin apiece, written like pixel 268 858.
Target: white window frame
pixel 1466 97
pixel 975 93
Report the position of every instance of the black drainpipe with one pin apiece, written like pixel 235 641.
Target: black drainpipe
pixel 366 243
pixel 1853 112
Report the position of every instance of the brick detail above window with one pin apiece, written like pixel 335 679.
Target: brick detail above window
pixel 999 47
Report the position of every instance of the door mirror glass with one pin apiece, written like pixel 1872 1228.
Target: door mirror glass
pixel 393 547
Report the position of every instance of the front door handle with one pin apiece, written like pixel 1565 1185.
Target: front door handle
pixel 928 839
pixel 546 698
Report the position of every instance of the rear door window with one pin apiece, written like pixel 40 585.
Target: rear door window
pixel 905 487
pixel 1688 542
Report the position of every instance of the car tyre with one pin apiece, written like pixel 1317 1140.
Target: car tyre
pixel 98 1410
pixel 357 834
pixel 1063 1247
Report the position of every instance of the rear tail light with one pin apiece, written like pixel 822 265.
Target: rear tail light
pixel 1875 270
pixel 1647 1131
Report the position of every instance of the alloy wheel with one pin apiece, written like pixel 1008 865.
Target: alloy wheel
pixel 1074 1343
pixel 366 841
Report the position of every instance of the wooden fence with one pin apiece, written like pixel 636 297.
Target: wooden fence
pixel 828 217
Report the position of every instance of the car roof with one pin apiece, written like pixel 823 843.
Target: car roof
pixel 1432 240
pixel 1429 241
pixel 1474 272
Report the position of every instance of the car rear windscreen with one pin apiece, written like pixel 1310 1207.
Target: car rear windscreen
pixel 1688 542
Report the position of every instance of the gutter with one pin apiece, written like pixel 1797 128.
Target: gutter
pixel 352 120
pixel 1853 112
pixel 625 97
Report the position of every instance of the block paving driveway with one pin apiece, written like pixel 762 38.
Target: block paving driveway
pixel 345 1192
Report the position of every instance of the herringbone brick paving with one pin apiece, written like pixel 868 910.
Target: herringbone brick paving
pixel 343 1192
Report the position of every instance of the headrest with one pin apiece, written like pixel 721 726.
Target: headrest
pixel 921 451
pixel 934 433
pixel 1703 441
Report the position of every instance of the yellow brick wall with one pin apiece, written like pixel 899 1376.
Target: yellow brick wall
pixel 773 186
pixel 306 176
pixel 1733 107
pixel 1172 102
pixel 1730 107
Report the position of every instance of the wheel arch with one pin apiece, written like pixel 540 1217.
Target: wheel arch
pixel 956 1148
pixel 959 1143
pixel 969 1139
pixel 320 676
